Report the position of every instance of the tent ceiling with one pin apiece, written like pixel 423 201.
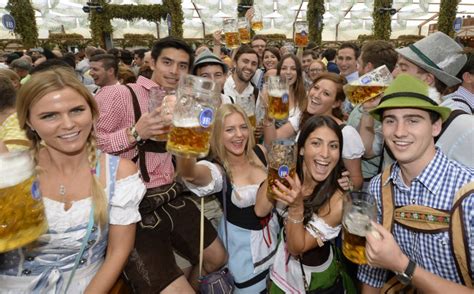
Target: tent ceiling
pixel 353 16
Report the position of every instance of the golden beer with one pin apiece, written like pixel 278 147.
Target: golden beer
pixel 232 40
pixel 244 35
pixel 278 105
pixel 162 137
pixel 253 121
pixel 22 218
pixel 188 139
pixel 358 94
pixel 354 229
pixel 301 39
pixel 274 174
pixel 257 25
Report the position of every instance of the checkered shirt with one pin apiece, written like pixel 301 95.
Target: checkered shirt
pixel 463 99
pixel 434 187
pixel 116 115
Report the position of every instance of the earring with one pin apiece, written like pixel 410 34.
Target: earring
pixel 33 130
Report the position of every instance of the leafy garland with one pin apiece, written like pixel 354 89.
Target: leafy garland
pixel 24 15
pixel 447 14
pixel 382 28
pixel 315 20
pixel 100 22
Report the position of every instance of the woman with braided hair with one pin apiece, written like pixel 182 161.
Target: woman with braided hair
pixel 91 199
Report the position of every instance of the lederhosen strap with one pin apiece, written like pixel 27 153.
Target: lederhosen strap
pixel 145 145
pixel 429 220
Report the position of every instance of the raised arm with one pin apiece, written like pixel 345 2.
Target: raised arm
pixel 196 174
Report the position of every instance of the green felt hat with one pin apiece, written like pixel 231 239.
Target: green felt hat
pixel 407 91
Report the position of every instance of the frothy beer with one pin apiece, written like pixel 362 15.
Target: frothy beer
pixel 232 40
pixel 244 35
pixel 301 39
pixel 358 94
pixel 22 218
pixel 188 138
pixel 278 105
pixel 257 25
pixel 275 173
pixel 253 121
pixel 354 230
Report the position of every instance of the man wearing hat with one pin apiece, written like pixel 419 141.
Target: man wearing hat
pixel 421 179
pixel 208 65
pixel 436 60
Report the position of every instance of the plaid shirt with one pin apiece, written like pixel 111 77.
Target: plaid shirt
pixel 434 187
pixel 116 115
pixel 463 99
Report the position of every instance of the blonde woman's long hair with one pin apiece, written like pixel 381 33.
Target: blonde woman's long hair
pixel 218 149
pixel 36 88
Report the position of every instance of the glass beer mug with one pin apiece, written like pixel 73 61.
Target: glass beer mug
pixel 244 32
pixel 301 33
pixel 281 162
pixel 193 116
pixel 358 211
pixel 257 19
pixel 22 217
pixel 157 99
pixel 278 98
pixel 231 33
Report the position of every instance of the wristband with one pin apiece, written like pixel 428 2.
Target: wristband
pixel 294 221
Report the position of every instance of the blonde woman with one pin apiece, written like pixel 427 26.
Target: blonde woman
pixel 79 187
pixel 237 170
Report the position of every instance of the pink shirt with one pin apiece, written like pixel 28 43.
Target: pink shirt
pixel 116 115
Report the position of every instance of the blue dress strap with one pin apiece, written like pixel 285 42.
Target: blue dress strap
pixel 113 162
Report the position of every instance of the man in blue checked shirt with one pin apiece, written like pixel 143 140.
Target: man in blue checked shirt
pixel 422 175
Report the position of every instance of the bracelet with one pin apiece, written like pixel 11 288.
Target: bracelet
pixel 294 221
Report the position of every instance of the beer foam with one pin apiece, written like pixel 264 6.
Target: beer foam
pixel 15 167
pixel 186 123
pixel 276 93
pixel 356 223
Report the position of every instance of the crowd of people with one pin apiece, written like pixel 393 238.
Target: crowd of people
pixel 106 184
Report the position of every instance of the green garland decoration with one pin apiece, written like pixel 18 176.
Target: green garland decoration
pixel 447 14
pixel 24 15
pixel 100 22
pixel 382 28
pixel 314 17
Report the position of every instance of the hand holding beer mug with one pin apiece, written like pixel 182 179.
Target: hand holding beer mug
pixel 257 19
pixel 231 33
pixel 281 163
pixel 248 105
pixel 278 98
pixel 22 218
pixel 193 116
pixel 301 33
pixel 158 98
pixel 369 85
pixel 358 211
pixel 244 32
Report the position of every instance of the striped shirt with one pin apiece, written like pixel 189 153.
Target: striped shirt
pixel 116 115
pixel 434 187
pixel 462 99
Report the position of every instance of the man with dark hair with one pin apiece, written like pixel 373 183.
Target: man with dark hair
pixel 346 60
pixel 425 202
pixel 239 86
pixel 208 65
pixel 126 57
pixel 259 43
pixel 169 220
pixel 104 70
pixel 306 60
pixel 138 60
pixel 330 55
pixel 463 97
pixel 374 54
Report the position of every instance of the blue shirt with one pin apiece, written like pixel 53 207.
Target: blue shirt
pixel 463 99
pixel 435 187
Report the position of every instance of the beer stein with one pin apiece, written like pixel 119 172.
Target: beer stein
pixel 368 86
pixel 257 19
pixel 301 33
pixel 244 32
pixel 281 162
pixel 157 99
pixel 358 211
pixel 22 217
pixel 231 33
pixel 278 98
pixel 193 117
pixel 248 105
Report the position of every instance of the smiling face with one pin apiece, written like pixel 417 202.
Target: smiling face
pixel 269 60
pixel 102 77
pixel 320 154
pixel 346 61
pixel 409 133
pixel 288 70
pixel 322 98
pixel 214 72
pixel 169 66
pixel 315 69
pixel 235 134
pixel 306 61
pixel 63 120
pixel 246 66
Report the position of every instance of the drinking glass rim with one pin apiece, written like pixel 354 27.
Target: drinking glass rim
pixel 284 142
